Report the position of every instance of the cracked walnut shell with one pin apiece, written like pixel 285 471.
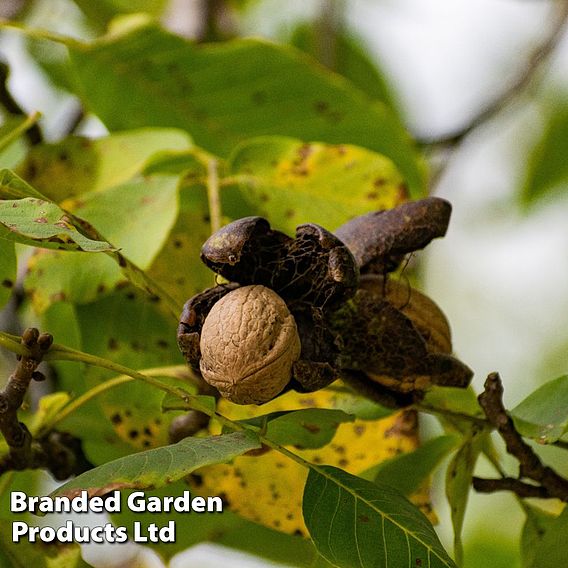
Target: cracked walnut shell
pixel 249 343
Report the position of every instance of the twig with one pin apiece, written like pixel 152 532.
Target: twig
pixel 33 132
pixel 60 453
pixel 213 195
pixel 517 486
pixel 534 63
pixel 530 466
pixel 448 413
pixel 12 396
pixel 329 24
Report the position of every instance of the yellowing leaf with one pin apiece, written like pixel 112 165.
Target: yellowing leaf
pixel 267 488
pixel 292 182
pixel 77 165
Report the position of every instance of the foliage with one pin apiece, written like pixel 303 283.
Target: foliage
pixel 199 135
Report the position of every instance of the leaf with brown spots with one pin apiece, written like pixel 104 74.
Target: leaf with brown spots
pixel 77 165
pixel 177 266
pixel 267 489
pixel 36 222
pixel 292 182
pixel 306 428
pixel 274 89
pixel 125 328
pixel 151 207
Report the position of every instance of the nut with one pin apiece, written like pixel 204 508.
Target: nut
pixel 249 343
pixel 428 318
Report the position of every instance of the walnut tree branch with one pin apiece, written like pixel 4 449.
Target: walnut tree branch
pixel 12 396
pixel 551 485
pixel 517 486
pixel 59 452
pixel 534 63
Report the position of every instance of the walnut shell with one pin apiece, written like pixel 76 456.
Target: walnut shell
pixel 249 343
pixel 424 313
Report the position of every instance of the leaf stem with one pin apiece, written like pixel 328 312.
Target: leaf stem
pixel 435 410
pixel 40 34
pixel 213 194
pixel 23 127
pixel 12 343
pixel 62 353
pixel 74 405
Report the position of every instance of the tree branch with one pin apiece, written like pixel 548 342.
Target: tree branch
pixel 530 466
pixel 12 396
pixel 534 63
pixel 517 486
pixel 60 453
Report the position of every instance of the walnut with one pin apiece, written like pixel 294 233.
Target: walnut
pixel 424 313
pixel 249 343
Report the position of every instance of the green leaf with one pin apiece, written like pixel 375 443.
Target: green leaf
pixel 160 466
pixel 543 415
pixel 127 329
pixel 54 276
pixel 39 222
pixel 547 168
pixel 136 216
pixel 534 530
pixel 406 472
pixel 8 267
pixel 354 522
pixel 306 428
pixel 14 187
pixel 353 403
pixel 544 540
pixel 225 93
pixel 36 222
pixel 292 182
pixel 458 483
pixel 349 58
pixel 227 529
pixel 78 165
pixel 103 11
